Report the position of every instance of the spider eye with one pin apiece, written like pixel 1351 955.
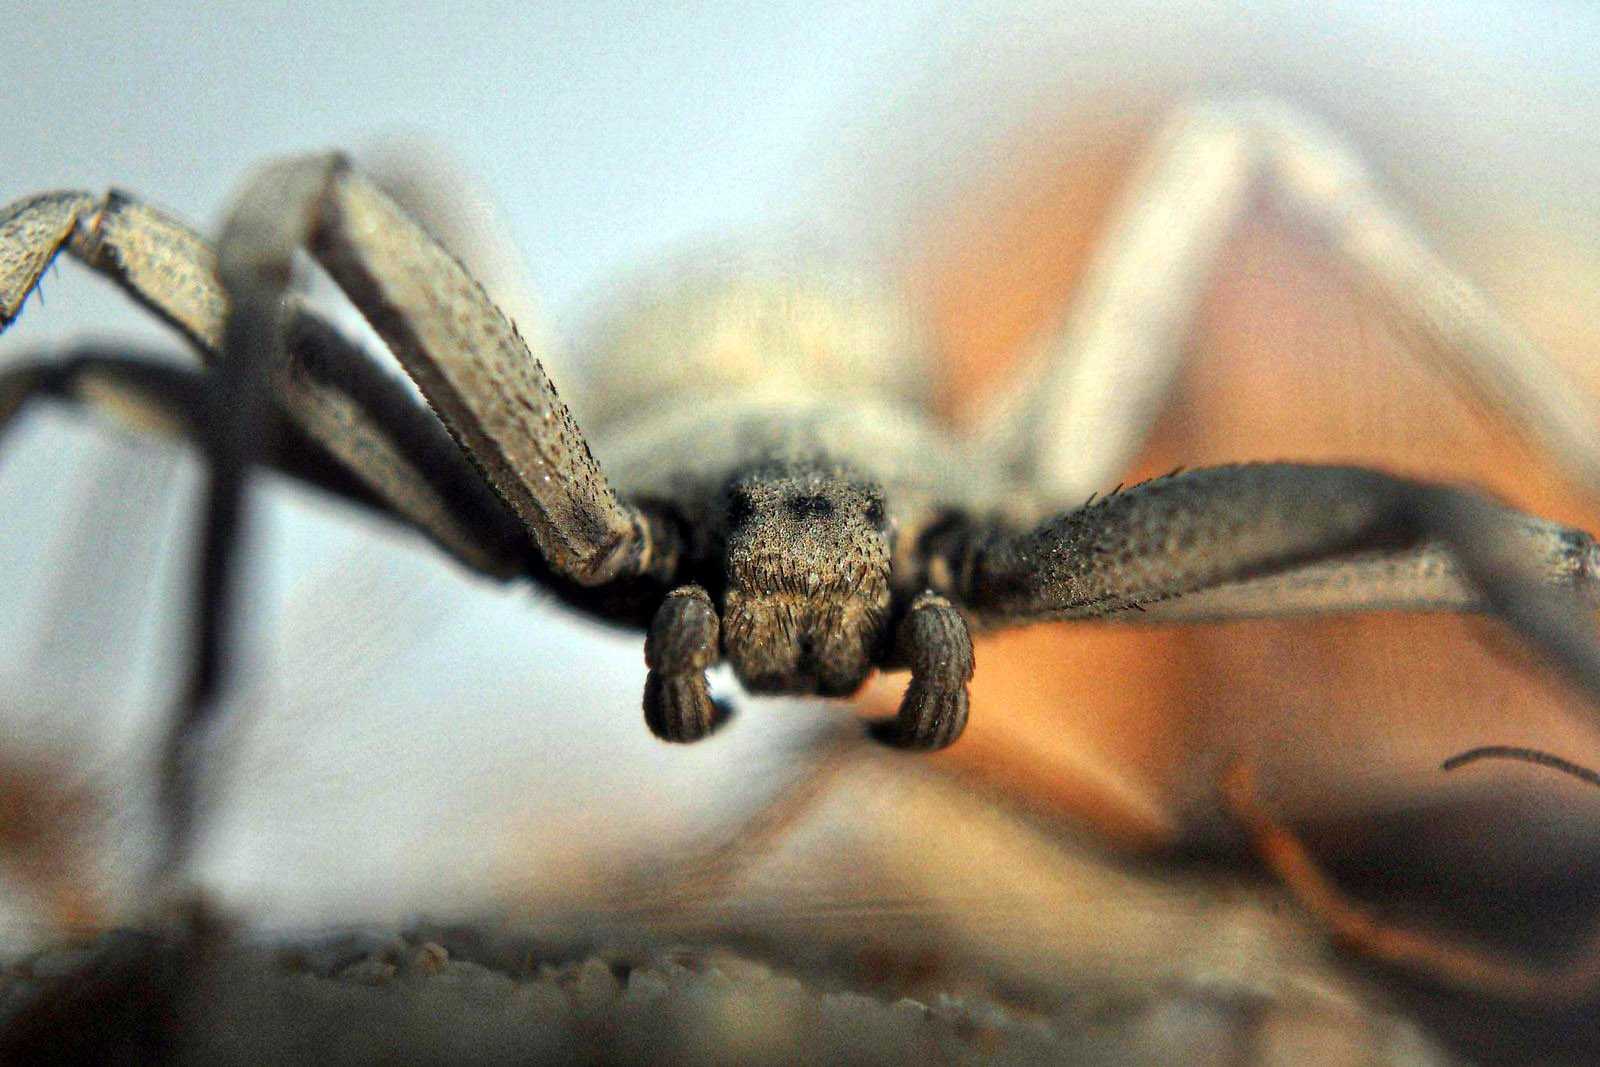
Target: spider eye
pixel 875 513
pixel 740 507
pixel 818 505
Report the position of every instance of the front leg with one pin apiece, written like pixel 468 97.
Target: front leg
pixel 681 647
pixel 933 641
pixel 470 362
pixel 1276 538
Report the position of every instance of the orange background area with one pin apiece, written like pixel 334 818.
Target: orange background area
pixel 1127 727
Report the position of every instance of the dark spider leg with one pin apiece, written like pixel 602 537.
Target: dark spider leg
pixel 682 645
pixel 1205 535
pixel 1521 754
pixel 235 411
pixel 434 487
pixel 933 641
pixel 1287 856
pixel 148 392
pixel 376 427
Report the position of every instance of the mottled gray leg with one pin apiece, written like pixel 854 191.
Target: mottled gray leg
pixel 681 647
pixel 1226 537
pixel 1104 375
pixel 457 210
pixel 159 261
pixel 933 641
pixel 471 364
pixel 335 393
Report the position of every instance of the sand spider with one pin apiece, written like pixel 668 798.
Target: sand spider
pixel 798 514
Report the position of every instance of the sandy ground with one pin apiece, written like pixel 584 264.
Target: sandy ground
pixel 891 917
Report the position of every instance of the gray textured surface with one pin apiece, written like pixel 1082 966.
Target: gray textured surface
pixel 375 998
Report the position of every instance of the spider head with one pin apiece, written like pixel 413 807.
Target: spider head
pixel 806 604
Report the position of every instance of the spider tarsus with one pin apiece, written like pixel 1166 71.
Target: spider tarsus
pixel 934 642
pixel 679 707
pixel 681 645
pixel 932 716
pixel 1523 755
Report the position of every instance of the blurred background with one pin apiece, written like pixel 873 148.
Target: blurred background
pixel 409 737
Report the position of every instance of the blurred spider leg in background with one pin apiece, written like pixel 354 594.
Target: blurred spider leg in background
pixel 1103 377
pixel 1571 981
pixel 255 279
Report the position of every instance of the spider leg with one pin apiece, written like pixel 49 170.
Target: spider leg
pixel 1105 373
pixel 1521 754
pixel 234 411
pixel 1292 862
pixel 469 361
pixel 366 418
pixel 335 393
pixel 680 648
pixel 933 641
pixel 159 261
pixel 456 209
pixel 148 392
pixel 142 392
pixel 1230 539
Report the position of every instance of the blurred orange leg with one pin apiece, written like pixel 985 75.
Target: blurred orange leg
pixel 1468 967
